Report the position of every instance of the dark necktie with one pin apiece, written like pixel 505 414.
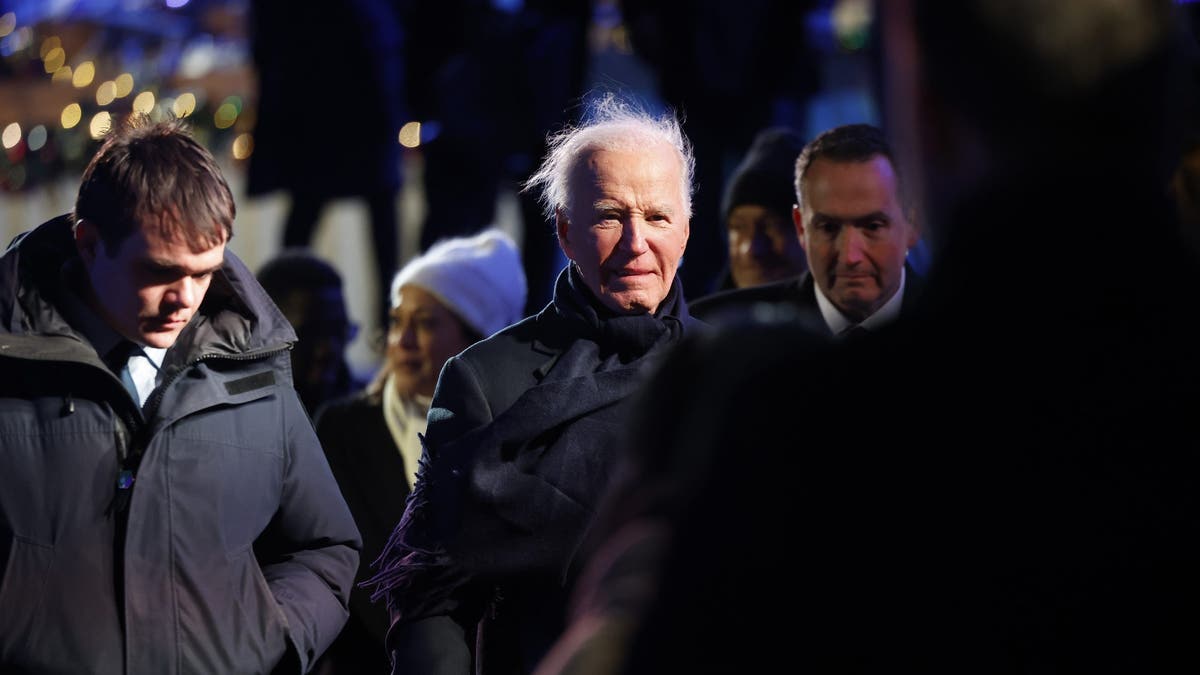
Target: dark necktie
pixel 118 362
pixel 853 332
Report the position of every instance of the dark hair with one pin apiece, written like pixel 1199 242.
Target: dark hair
pixel 846 143
pixel 155 175
pixel 297 269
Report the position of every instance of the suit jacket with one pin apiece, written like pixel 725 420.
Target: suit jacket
pixel 794 298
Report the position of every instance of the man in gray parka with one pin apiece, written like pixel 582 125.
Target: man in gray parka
pixel 166 507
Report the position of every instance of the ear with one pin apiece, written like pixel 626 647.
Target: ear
pixel 563 224
pixel 914 228
pixel 798 221
pixel 87 241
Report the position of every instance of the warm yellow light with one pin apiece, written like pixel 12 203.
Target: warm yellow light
pixel 84 74
pixel 143 102
pixel 37 137
pixel 48 45
pixel 243 146
pixel 106 92
pixel 11 136
pixel 225 116
pixel 71 115
pixel 100 125
pixel 124 84
pixel 54 59
pixel 8 21
pixel 184 105
pixel 410 134
pixel 62 75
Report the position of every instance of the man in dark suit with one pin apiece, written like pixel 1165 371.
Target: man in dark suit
pixel 856 225
pixel 524 426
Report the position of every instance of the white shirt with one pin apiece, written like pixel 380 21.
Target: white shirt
pixel 143 366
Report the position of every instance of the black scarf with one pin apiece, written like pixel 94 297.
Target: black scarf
pixel 628 336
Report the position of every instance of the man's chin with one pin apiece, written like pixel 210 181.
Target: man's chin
pixel 160 339
pixel 855 306
pixel 630 303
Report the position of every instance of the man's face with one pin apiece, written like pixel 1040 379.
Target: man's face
pixel 763 246
pixel 626 227
pixel 422 336
pixel 149 288
pixel 855 232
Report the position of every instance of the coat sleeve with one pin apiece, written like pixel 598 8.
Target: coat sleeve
pixel 434 603
pixel 309 553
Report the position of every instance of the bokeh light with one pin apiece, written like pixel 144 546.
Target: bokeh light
pixel 84 74
pixel 8 21
pixel 243 146
pixel 143 102
pixel 71 115
pixel 226 115
pixel 410 135
pixel 62 75
pixel 54 59
pixel 49 44
pixel 37 137
pixel 184 105
pixel 106 92
pixel 100 125
pixel 124 83
pixel 11 136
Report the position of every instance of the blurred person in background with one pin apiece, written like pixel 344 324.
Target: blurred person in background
pixel 757 211
pixel 309 292
pixel 489 79
pixel 313 60
pixel 458 292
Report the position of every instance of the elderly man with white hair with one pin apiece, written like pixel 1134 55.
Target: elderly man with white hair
pixel 525 426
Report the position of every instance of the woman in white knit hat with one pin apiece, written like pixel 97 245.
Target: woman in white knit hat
pixel 458 292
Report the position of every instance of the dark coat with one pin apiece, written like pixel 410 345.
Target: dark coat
pixel 523 435
pixel 796 297
pixel 372 476
pixel 1043 519
pixel 238 549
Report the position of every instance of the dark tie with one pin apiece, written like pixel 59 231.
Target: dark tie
pixel 118 362
pixel 853 332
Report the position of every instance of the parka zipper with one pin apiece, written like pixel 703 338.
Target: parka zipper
pixel 130 449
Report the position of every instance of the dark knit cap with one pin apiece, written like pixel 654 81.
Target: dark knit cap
pixel 765 174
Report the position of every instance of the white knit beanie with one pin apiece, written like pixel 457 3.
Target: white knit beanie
pixel 480 278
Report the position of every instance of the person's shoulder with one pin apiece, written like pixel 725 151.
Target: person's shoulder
pixel 773 292
pixel 341 407
pixel 746 303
